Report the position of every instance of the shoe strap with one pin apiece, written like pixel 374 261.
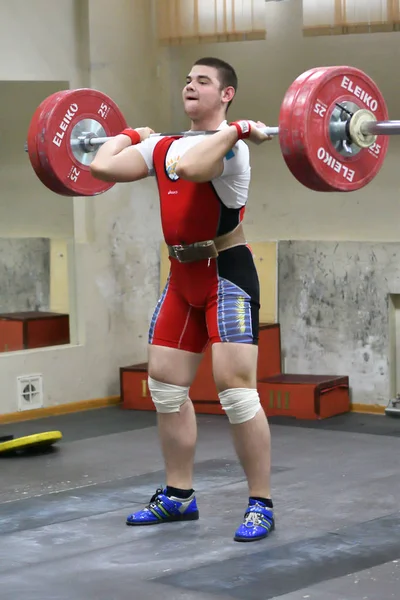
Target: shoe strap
pixel 260 510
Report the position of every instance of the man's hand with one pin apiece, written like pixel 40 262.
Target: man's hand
pixel 144 132
pixel 118 160
pixel 251 130
pixel 256 134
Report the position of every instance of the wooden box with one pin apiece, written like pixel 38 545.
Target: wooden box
pixel 269 351
pixel 305 396
pixel 134 388
pixel 33 329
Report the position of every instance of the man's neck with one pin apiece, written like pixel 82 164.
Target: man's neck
pixel 208 124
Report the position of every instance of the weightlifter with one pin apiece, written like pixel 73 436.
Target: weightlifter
pixel 211 295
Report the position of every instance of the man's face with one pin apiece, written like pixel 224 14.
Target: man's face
pixel 202 94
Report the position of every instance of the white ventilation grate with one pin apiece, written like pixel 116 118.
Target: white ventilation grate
pixel 30 392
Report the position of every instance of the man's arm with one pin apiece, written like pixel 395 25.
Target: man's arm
pixel 205 161
pixel 118 161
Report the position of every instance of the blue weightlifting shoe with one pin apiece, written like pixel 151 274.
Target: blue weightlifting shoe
pixel 164 509
pixel 258 523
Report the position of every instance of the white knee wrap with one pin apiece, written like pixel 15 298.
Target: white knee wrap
pixel 240 404
pixel 167 398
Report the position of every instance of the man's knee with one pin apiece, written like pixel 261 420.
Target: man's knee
pixel 167 398
pixel 240 404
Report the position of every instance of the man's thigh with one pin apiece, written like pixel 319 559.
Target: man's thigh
pixel 177 338
pixel 233 306
pixel 234 365
pixel 233 329
pixel 169 365
pixel 233 320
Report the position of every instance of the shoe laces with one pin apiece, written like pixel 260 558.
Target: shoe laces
pixel 155 499
pixel 254 516
pixel 252 519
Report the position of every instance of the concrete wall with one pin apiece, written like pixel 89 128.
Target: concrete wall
pixel 335 312
pixel 24 274
pixel 40 43
pixel 113 260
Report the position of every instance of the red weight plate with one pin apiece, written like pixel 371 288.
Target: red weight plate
pixel 300 168
pixel 64 111
pixel 312 114
pixel 33 131
pixel 42 120
pixel 292 157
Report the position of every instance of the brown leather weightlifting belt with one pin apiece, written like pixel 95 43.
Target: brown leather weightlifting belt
pixel 208 248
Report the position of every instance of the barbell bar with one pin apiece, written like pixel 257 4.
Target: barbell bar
pixel 333 133
pixel 90 143
pixel 380 128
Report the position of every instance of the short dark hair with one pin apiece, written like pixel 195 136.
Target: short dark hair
pixel 226 73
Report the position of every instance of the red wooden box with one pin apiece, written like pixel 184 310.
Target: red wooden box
pixel 33 329
pixel 134 388
pixel 305 396
pixel 269 350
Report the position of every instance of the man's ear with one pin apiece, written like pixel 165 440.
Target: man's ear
pixel 228 94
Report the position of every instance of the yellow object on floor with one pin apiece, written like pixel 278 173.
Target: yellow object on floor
pixel 29 443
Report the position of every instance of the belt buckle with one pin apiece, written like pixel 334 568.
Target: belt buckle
pixel 176 250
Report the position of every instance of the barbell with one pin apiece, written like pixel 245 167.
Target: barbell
pixel 333 128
